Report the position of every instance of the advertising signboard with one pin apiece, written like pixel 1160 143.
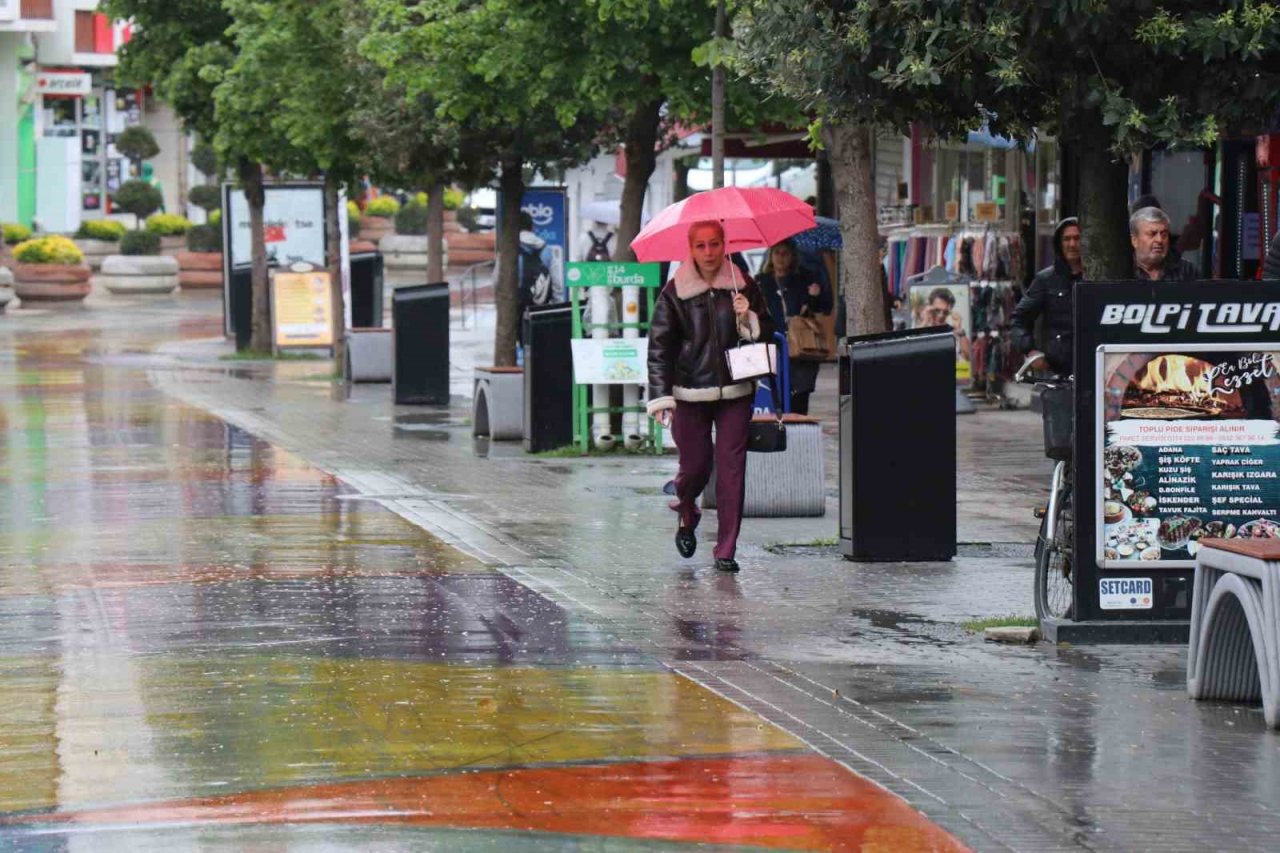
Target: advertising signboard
pixel 301 310
pixel 549 210
pixel 610 361
pixel 293 225
pixel 1177 436
pixel 9 10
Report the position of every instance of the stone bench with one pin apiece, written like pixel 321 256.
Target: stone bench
pixel 790 484
pixel 132 274
pixel 497 406
pixel 1235 624
pixel 369 355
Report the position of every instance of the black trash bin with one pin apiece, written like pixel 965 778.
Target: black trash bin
pixel 420 339
pixel 366 290
pixel 240 305
pixel 898 446
pixel 548 377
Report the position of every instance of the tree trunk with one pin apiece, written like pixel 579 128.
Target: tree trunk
pixel 681 191
pixel 333 262
pixel 255 195
pixel 435 232
pixel 717 103
pixel 507 294
pixel 849 149
pixel 1104 204
pixel 642 159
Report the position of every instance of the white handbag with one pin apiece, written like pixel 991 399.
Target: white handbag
pixel 750 360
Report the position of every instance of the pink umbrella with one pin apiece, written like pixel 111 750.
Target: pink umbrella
pixel 753 218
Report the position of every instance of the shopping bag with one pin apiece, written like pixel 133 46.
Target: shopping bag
pixel 748 361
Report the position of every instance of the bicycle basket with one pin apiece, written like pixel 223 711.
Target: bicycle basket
pixel 1056 404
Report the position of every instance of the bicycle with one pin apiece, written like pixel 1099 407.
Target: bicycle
pixel 1054 590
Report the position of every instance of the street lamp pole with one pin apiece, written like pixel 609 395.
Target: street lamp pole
pixel 717 102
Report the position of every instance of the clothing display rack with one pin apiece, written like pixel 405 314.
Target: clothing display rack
pixel 993 355
pixel 981 252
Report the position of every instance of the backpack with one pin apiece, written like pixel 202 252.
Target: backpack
pixel 599 250
pixel 535 277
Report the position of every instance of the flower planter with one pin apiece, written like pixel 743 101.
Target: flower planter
pixel 451 222
pixel 95 250
pixel 130 274
pixel 466 248
pixel 374 228
pixel 173 245
pixel 200 270
pixel 6 287
pixel 51 282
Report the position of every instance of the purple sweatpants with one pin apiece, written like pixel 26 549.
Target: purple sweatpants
pixel 692 433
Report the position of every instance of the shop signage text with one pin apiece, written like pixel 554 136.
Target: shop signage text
pixel 64 83
pixel 1231 318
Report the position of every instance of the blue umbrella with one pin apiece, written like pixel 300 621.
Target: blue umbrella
pixel 824 235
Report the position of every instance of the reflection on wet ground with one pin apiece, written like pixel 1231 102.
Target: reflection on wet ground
pixel 204 641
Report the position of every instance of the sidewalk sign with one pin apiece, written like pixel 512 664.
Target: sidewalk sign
pixel 293 225
pixel 548 207
pixel 301 310
pixel 610 361
pixel 1177 439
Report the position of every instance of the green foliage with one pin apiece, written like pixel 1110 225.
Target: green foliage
pixel 138 197
pixel 137 143
pixel 101 229
pixel 168 224
pixel 215 217
pixel 204 238
pixel 412 218
pixel 382 206
pixel 14 233
pixel 353 218
pixel 47 250
pixel 453 198
pixel 206 196
pixel 205 158
pixel 140 243
pixel 467 217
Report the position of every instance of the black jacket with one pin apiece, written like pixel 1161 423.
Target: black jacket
pixel 1177 268
pixel 692 326
pixel 795 290
pixel 1050 296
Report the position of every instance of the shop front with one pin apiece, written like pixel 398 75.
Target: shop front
pixel 81 115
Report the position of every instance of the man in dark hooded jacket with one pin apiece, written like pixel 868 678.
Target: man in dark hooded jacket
pixel 1050 296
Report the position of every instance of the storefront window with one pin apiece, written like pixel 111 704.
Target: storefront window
pixel 1177 177
pixel 59 117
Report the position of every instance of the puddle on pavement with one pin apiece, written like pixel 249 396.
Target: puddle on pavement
pixel 421 431
pixel 424 418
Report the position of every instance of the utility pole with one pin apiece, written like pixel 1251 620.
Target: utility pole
pixel 717 102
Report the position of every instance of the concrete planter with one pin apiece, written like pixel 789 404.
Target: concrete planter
pixel 6 288
pixel 200 270
pixel 374 228
pixel 172 246
pixel 369 355
pixel 404 259
pixel 51 282
pixel 130 274
pixel 96 250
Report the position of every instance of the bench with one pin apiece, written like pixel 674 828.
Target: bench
pixel 369 355
pixel 790 484
pixel 497 406
pixel 1235 624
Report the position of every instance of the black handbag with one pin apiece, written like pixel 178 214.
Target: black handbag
pixel 768 435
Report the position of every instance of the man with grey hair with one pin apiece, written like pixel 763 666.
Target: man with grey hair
pixel 1149 234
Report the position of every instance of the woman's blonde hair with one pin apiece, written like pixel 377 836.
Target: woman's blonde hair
pixel 767 267
pixel 706 223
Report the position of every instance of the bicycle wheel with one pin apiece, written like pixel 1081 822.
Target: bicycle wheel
pixel 1054 591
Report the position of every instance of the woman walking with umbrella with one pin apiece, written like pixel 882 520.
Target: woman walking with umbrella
pixel 703 310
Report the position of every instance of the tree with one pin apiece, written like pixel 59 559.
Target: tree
pixel 498 68
pixel 139 198
pixel 860 66
pixel 137 144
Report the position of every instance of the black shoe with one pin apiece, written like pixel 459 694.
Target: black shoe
pixel 726 564
pixel 686 542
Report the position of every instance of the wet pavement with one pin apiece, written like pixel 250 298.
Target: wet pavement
pixel 243 606
pixel 206 642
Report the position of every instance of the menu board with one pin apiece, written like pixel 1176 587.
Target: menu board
pixel 301 310
pixel 1188 450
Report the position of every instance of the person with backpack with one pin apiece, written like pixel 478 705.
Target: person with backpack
pixel 597 243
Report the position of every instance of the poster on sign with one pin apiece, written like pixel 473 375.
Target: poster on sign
pixel 1189 450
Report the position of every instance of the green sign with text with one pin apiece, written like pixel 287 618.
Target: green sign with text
pixel 607 274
